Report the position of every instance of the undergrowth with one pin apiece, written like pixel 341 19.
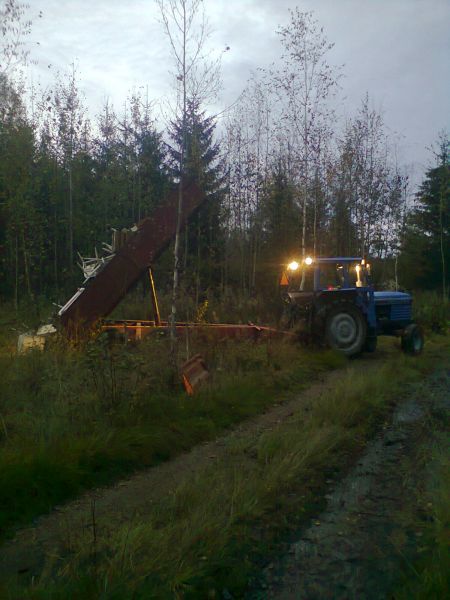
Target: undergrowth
pixel 205 539
pixel 231 306
pixel 72 418
pixel 432 311
pixel 428 575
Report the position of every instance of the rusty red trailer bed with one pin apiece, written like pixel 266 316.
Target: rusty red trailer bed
pixel 137 329
pixel 99 295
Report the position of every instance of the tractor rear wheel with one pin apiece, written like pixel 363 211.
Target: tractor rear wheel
pixel 412 339
pixel 346 329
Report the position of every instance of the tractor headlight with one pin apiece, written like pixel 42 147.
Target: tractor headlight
pixel 308 261
pixel 293 266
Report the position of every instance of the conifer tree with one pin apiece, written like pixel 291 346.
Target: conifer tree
pixel 202 163
pixel 425 259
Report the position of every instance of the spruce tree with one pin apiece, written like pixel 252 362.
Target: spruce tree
pixel 425 259
pixel 204 240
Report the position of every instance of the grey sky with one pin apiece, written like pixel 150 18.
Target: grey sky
pixel 397 50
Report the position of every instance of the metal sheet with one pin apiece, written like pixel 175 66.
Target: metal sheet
pixel 194 373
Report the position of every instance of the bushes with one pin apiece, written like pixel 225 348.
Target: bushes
pixel 71 419
pixel 207 536
pixel 432 311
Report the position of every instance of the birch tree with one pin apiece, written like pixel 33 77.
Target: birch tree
pixel 14 28
pixel 304 83
pixel 195 78
pixel 250 152
pixel 69 116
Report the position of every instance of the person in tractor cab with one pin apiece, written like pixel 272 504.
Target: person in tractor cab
pixel 332 277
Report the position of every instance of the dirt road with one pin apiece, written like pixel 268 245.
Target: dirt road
pixel 352 550
pixel 51 536
pixel 368 531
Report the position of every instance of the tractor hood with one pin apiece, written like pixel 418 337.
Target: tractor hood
pixel 392 298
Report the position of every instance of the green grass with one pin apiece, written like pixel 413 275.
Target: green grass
pixel 432 311
pixel 428 576
pixel 210 535
pixel 72 419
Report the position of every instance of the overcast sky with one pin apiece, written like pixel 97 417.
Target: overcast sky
pixel 396 50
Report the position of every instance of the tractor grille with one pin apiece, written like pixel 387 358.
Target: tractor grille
pixel 401 312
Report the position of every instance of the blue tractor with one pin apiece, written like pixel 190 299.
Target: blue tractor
pixel 333 300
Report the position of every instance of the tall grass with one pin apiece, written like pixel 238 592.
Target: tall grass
pixel 429 575
pixel 71 419
pixel 231 306
pixel 432 311
pixel 205 538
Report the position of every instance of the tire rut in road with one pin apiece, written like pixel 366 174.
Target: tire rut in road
pixel 355 547
pixel 28 552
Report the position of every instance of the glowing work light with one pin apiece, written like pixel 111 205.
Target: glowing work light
pixel 308 261
pixel 293 266
pixel 359 283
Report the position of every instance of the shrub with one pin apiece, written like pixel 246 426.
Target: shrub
pixel 432 311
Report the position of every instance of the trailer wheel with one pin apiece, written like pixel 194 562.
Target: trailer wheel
pixel 346 329
pixel 413 340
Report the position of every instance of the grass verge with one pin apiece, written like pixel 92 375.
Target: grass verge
pixel 427 576
pixel 72 419
pixel 205 540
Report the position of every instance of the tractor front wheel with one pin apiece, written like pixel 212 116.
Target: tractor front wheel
pixel 412 340
pixel 346 329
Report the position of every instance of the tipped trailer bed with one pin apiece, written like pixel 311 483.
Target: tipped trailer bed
pixel 102 292
pixel 110 280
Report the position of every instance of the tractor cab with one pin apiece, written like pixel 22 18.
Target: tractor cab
pixel 326 274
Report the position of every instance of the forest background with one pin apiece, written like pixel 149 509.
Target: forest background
pixel 284 175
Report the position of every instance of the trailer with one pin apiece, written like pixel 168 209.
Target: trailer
pixel 109 277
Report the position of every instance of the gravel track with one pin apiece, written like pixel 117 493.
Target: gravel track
pixel 354 549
